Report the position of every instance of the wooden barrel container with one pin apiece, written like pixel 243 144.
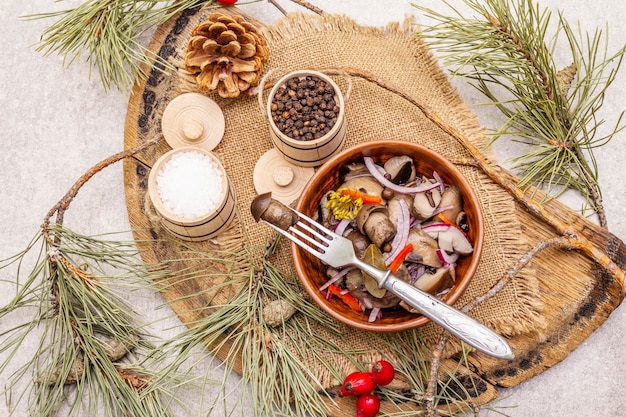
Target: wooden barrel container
pixel 308 153
pixel 204 226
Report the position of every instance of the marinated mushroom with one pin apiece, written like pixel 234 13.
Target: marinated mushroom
pixel 425 204
pixel 374 223
pixel 394 209
pixel 453 240
pixel 424 249
pixel 354 280
pixel 359 241
pixel 451 198
pixel 264 207
pixel 401 169
pixel 366 185
pixel 431 282
pixel 324 214
pixel 353 170
pixel 461 221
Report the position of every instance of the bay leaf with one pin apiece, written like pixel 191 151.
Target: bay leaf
pixel 374 257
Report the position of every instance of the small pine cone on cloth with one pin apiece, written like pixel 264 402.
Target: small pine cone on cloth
pixel 226 53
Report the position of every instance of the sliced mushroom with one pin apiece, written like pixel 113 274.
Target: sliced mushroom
pixel 431 283
pixel 367 185
pixel 453 240
pixel 331 272
pixel 359 241
pixel 324 214
pixel 355 279
pixel 373 221
pixel 425 204
pixel 394 209
pixel 451 197
pixel 353 170
pixel 264 207
pixel 424 249
pixel 461 221
pixel 401 169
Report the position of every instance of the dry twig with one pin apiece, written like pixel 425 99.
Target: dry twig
pixel 63 204
pixel 508 276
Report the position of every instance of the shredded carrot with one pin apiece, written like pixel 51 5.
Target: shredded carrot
pixel 366 198
pixel 397 261
pixel 447 221
pixel 350 301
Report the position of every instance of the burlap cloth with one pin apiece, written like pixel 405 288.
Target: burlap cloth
pixel 301 41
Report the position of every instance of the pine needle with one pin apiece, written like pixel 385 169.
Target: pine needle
pixel 507 52
pixel 73 301
pixel 108 33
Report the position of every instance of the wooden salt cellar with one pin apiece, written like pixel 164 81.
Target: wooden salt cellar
pixel 204 227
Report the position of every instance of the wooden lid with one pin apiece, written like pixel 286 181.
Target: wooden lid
pixel 272 173
pixel 193 119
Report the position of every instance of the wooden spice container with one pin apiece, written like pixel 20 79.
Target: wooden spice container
pixel 313 152
pixel 202 227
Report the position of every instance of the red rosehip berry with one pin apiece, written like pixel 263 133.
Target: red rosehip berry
pixel 367 405
pixel 227 2
pixel 383 373
pixel 357 383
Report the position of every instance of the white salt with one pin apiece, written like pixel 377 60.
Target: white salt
pixel 190 184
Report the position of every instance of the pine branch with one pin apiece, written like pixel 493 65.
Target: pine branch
pixel 108 33
pixel 507 52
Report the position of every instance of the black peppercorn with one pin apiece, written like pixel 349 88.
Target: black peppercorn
pixel 304 109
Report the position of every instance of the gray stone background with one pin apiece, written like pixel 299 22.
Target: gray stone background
pixel 57 122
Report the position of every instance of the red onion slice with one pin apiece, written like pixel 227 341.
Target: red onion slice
pixel 437 177
pixel 374 314
pixel 337 277
pixel 341 226
pixel 441 209
pixel 435 227
pixel 402 233
pixel 448 260
pixel 372 168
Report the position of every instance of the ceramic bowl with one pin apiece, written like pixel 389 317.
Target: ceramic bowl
pixel 311 271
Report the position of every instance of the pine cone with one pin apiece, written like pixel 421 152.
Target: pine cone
pixel 226 53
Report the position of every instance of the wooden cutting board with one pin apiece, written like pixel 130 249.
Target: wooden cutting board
pixel 578 295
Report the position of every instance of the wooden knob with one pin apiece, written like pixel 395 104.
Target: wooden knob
pixel 193 119
pixel 193 129
pixel 283 175
pixel 273 173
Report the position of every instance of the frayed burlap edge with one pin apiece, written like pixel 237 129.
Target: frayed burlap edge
pixel 501 204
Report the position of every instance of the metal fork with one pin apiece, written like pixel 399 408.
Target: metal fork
pixel 337 251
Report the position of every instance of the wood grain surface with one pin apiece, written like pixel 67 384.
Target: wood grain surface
pixel 578 295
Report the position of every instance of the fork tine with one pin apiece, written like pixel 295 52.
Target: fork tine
pixel 295 240
pixel 309 238
pixel 325 238
pixel 316 224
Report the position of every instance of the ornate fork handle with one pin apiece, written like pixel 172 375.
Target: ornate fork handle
pixel 457 323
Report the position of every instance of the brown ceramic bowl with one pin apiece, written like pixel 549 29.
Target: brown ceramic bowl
pixel 311 271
